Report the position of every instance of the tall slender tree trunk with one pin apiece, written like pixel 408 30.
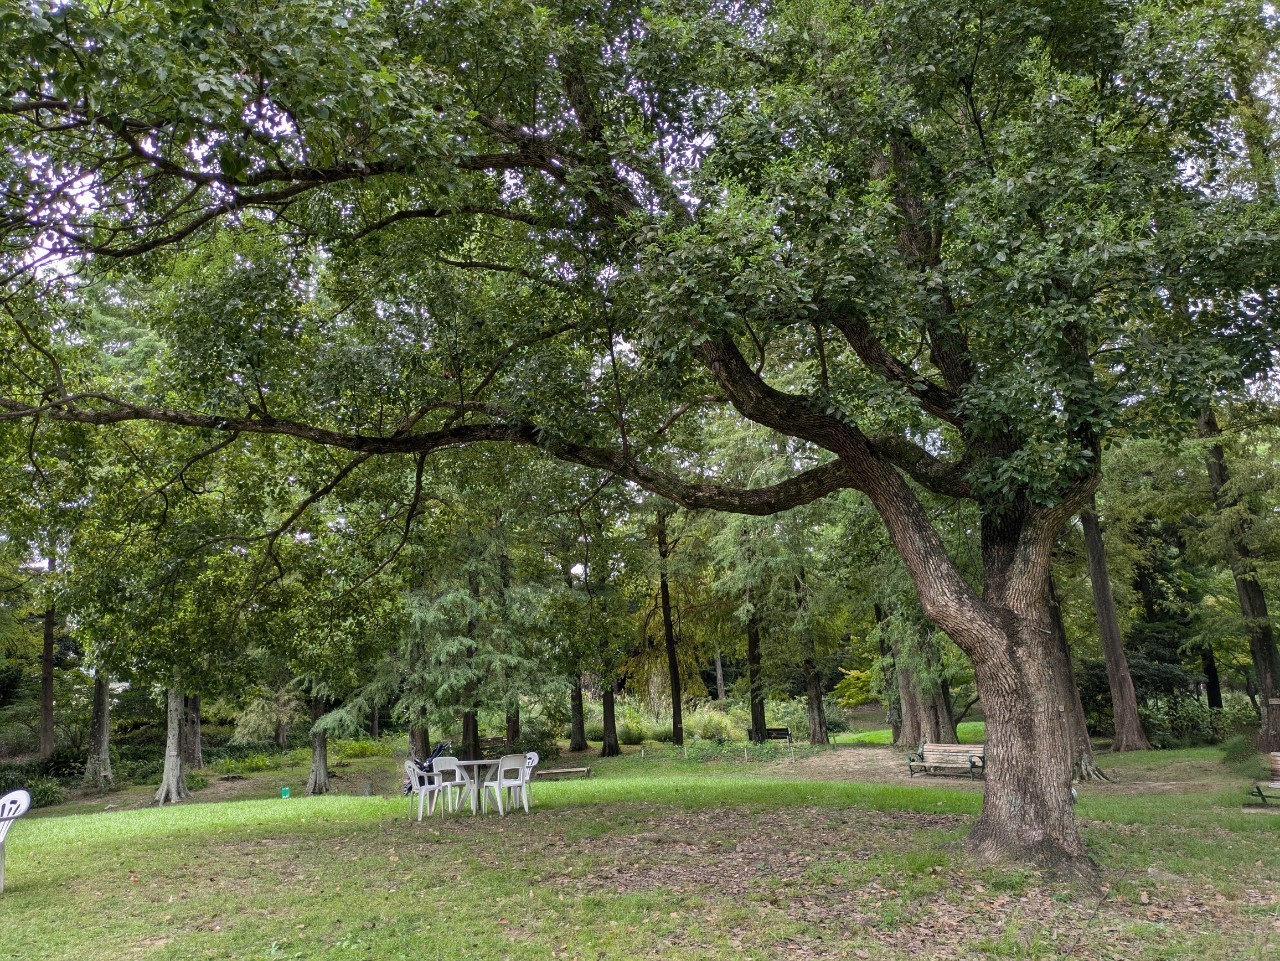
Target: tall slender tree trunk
pixel 669 633
pixel 1082 758
pixel 192 741
pixel 48 740
pixel 1212 682
pixel 1253 603
pixel 281 734
pixel 318 779
pixel 720 693
pixel 97 767
pixel 577 717
pixel 610 747
pixel 173 783
pixel 812 679
pixel 1129 735
pixel 894 713
pixel 756 686
pixel 513 724
pixel 373 720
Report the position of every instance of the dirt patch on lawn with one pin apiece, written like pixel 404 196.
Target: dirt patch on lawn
pixel 866 763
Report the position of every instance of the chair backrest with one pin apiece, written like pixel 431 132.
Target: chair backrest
pixel 417 777
pixel 12 806
pixel 447 769
pixel 511 768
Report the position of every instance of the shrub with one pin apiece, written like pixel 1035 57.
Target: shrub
pixel 45 792
pixel 537 738
pixel 195 781
pixel 14 775
pixel 595 732
pixel 1237 716
pixel 662 734
pixel 709 724
pixel 1239 749
pixel 64 764
pixel 364 748
pixel 630 734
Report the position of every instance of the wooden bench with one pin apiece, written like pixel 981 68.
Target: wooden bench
pixel 773 734
pixel 936 758
pixel 563 772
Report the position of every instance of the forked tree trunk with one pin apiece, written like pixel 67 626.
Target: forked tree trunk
pixel 1129 735
pixel 318 779
pixel 48 739
pixel 926 710
pixel 97 767
pixel 1084 763
pixel 1253 603
pixel 610 747
pixel 282 734
pixel 173 783
pixel 756 684
pixel 577 717
pixel 192 741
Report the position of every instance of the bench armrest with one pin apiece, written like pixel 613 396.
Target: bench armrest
pixel 915 757
pixel 978 761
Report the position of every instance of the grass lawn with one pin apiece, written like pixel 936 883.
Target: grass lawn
pixel 648 859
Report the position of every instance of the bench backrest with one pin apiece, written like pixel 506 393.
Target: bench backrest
pixel 952 752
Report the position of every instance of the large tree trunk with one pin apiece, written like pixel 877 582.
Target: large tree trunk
pixel 813 698
pixel 97 767
pixel 669 633
pixel 1129 735
pixel 610 747
pixel 420 740
pixel 1083 761
pixel 1253 603
pixel 48 740
pixel 282 734
pixel 192 742
pixel 470 736
pixel 756 687
pixel 173 783
pixel 318 779
pixel 577 717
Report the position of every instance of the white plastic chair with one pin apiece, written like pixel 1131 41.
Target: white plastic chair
pixel 12 806
pixel 452 781
pixel 526 789
pixel 508 777
pixel 424 784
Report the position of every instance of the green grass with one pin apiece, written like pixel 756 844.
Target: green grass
pixel 668 859
pixel 969 732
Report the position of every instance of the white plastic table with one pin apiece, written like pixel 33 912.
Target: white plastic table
pixel 473 772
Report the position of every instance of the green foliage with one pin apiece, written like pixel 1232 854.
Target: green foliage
pixel 708 724
pixel 594 731
pixel 45 792
pixel 536 737
pixel 196 780
pixel 348 749
pixel 629 733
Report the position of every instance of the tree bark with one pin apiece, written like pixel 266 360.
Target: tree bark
pixel 1129 735
pixel 97 768
pixel 470 736
pixel 610 747
pixel 817 710
pixel 720 694
pixel 318 780
pixel 577 717
pixel 192 742
pixel 669 633
pixel 513 725
pixel 282 734
pixel 1253 603
pixel 1212 682
pixel 420 740
pixel 1084 764
pixel 373 720
pixel 173 783
pixel 756 689
pixel 48 739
